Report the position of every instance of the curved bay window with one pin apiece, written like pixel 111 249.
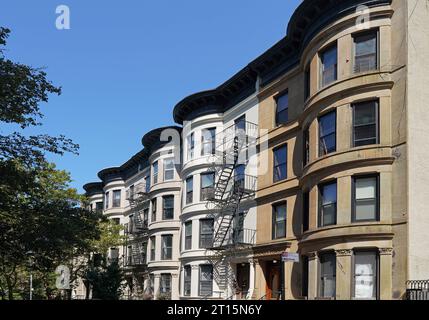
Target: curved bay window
pixel 328 204
pixel 365 275
pixel 328 133
pixel 327 285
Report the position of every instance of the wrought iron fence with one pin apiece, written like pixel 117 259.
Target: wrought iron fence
pixel 417 290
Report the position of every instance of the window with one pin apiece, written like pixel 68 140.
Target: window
pixel 191 146
pixel 155 172
pixel 282 115
pixel 168 169
pixel 304 292
pixel 208 141
pixel 279 220
pixel 328 60
pixel 365 275
pixel 239 176
pixel 365 123
pixel 307 83
pixel 327 275
pixel 187 280
pixel 188 235
pixel 168 207
pixel 328 204
pixel 206 233
pixel 152 248
pixel 151 282
pixel 116 198
pixel 131 192
pixel 166 247
pixel 189 190
pixel 99 206
pixel 165 285
pixel 328 133
pixel 280 166
pixel 153 217
pixel 206 280
pixel 365 199
pixel 147 182
pixel 107 200
pixel 145 218
pixel 240 124
pixel 306 147
pixel 207 186
pixel 305 210
pixel 365 50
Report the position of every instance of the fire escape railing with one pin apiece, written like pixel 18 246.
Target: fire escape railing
pixel 231 187
pixel 136 231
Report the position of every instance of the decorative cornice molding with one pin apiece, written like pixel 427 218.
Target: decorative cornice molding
pixel 344 252
pixel 385 251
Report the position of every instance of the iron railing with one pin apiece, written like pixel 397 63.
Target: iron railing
pixel 417 290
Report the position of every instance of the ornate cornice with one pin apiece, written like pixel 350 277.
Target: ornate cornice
pixel 385 251
pixel 344 252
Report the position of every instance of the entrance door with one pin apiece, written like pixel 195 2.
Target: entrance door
pixel 273 281
pixel 243 273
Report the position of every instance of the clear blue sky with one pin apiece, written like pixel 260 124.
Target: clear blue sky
pixel 123 65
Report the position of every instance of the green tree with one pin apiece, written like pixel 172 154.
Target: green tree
pixel 39 212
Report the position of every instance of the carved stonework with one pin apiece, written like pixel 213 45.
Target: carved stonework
pixel 344 252
pixel 385 251
pixel 195 267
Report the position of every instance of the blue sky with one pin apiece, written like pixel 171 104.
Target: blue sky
pixel 124 65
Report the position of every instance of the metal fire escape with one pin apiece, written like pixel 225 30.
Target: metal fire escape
pixel 231 188
pixel 136 231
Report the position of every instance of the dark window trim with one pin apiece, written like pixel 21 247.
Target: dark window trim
pixel 377 119
pixel 305 147
pixel 185 281
pixel 212 142
pixel 319 272
pixel 335 133
pixel 166 258
pixel 321 52
pixel 305 211
pixel 320 187
pixel 191 200
pixel 190 236
pixel 377 194
pixel 274 162
pixel 361 33
pixel 199 278
pixel 276 99
pixel 200 229
pixel 273 217
pixel 377 264
pixel 164 208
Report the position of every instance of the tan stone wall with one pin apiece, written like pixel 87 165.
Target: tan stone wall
pixel 387 159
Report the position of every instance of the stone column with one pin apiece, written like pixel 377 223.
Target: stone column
pixel 259 289
pixel 252 263
pixel 385 273
pixel 312 275
pixel 175 286
pixel 343 274
pixel 156 285
pixel 194 280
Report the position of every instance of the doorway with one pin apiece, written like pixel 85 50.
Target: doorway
pixel 273 289
pixel 243 273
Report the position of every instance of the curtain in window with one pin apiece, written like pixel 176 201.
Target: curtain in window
pixel 365 275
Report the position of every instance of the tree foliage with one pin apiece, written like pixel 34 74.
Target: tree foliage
pixel 39 213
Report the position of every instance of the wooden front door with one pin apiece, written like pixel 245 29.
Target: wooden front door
pixel 273 281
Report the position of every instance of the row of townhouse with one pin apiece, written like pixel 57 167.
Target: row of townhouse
pixel 314 149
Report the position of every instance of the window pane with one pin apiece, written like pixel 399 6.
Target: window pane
pixel 207 180
pixel 366 210
pixel 329 194
pixel 365 275
pixel 283 102
pixel 328 274
pixel 329 66
pixel 366 52
pixel 368 132
pixel 366 188
pixel 327 124
pixel 329 214
pixel 365 113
